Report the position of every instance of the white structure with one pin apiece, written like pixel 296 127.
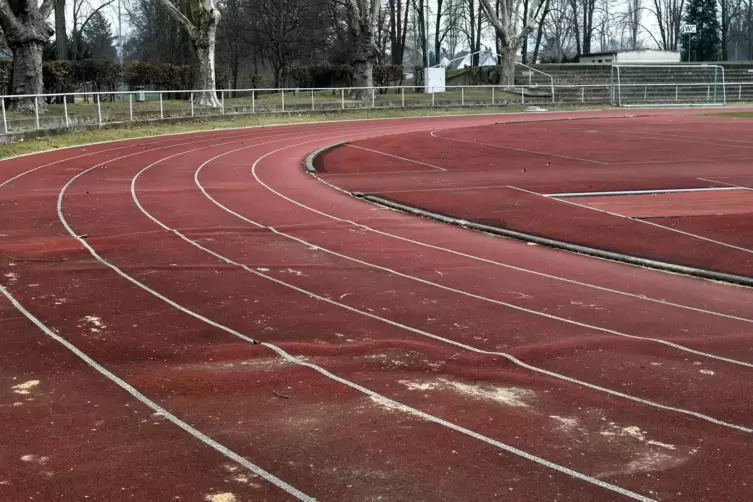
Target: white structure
pixel 630 57
pixel 485 58
pixel 435 79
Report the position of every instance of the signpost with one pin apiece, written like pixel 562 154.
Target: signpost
pixel 688 29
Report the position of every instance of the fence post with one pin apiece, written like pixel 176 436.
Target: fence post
pixel 99 108
pixel 402 96
pixel 493 88
pixel 161 107
pixel 462 96
pixel 739 92
pixel 36 110
pixel 313 106
pixel 583 94
pixel 253 101
pixel 5 117
pixel 282 97
pixel 373 97
pixel 645 93
pixel 342 99
pixel 431 90
pixel 522 96
pixel 708 92
pixel 677 93
pixel 222 98
pixel 192 109
pixel 65 111
pixel 130 106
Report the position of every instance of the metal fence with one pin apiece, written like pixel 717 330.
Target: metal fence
pixel 92 109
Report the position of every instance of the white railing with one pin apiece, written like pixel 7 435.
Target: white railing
pixel 100 108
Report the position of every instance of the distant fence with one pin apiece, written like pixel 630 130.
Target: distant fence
pixel 100 108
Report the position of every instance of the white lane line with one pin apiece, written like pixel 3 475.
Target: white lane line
pixel 639 192
pixel 395 156
pixel 645 222
pixel 535 272
pixel 197 434
pixel 409 328
pixel 427 282
pixel 377 173
pixel 487 187
pixel 731 185
pixel 535 152
pixel 288 357
pixel 123 384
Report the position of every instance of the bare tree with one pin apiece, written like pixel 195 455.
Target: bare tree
pixel 200 22
pixel 24 23
pixel 509 33
pixel 398 29
pixel 361 16
pixel 729 11
pixel 632 20
pixel 61 35
pixel 668 15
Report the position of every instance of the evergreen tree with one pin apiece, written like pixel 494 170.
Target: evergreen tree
pixel 99 41
pixel 705 44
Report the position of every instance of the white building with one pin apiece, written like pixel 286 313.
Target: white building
pixel 648 56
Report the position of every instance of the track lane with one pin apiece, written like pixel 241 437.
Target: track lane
pixel 100 219
pixel 147 233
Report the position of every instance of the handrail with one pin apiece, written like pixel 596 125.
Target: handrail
pixel 551 78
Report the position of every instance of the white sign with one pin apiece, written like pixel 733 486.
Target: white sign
pixel 687 29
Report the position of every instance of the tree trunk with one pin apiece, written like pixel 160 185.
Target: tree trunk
pixel 363 67
pixel 508 65
pixel 61 36
pixel 205 77
pixel 27 76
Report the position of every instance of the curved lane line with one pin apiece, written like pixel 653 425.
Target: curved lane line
pixel 290 358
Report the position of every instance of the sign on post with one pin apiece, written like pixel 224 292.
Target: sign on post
pixel 687 29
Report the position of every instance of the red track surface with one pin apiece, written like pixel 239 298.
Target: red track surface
pixel 435 363
pixel 498 175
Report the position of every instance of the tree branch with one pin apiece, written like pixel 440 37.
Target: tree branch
pixel 46 8
pixel 179 16
pixel 9 22
pixel 89 18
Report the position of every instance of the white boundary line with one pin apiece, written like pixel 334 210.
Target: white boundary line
pixel 418 331
pixel 414 278
pixel 545 154
pixel 732 185
pixel 395 156
pixel 534 272
pixel 156 407
pixel 638 192
pixel 639 220
pixel 395 404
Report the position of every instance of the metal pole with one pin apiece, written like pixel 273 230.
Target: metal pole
pixel 36 109
pixel 522 96
pixel 739 92
pixel 583 94
pixel 5 117
pixel 313 107
pixel 161 107
pixel 222 97
pixel 192 110
pixel 402 96
pixel 130 105
pixel 99 108
pixel 253 101
pixel 342 99
pixel 677 92
pixel 373 97
pixel 462 96
pixel 493 94
pixel 282 94
pixel 65 110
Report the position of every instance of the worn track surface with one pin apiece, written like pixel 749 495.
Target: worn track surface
pixel 194 317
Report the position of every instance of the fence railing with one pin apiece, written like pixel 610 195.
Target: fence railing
pixel 65 110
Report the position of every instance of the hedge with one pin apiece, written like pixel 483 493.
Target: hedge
pixel 327 75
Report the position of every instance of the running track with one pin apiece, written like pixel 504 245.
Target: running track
pixel 194 317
